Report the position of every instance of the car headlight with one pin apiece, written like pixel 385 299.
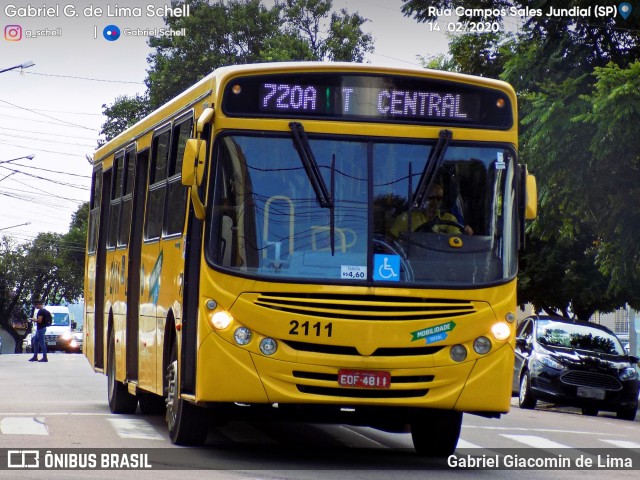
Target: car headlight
pixel 549 362
pixel 66 336
pixel 628 373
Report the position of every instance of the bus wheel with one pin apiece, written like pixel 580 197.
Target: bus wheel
pixel 120 400
pixel 435 433
pixel 187 423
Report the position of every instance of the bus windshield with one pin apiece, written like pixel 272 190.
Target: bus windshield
pixel 266 221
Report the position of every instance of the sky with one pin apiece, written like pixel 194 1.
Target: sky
pixel 52 111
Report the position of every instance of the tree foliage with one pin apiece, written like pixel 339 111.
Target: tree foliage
pixel 124 112
pixel 50 267
pixel 578 85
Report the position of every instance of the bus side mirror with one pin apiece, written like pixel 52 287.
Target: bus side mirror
pixel 531 206
pixel 195 152
pixel 193 162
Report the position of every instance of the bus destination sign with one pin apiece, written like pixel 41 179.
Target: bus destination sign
pixel 358 101
pixel 371 98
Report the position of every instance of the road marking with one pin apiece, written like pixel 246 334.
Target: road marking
pixel 545 430
pixel 536 442
pixel 134 428
pixel 357 442
pixel 23 426
pixel 465 444
pixel 622 443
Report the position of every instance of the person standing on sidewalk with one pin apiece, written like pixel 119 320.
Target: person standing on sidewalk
pixel 42 319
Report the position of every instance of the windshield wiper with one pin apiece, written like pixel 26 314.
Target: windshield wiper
pixel 324 197
pixel 301 142
pixel 431 167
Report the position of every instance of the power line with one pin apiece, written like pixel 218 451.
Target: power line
pixel 57 111
pixel 47 140
pixel 81 187
pixel 51 171
pixel 86 78
pixel 45 115
pixel 39 132
pixel 42 150
pixel 50 123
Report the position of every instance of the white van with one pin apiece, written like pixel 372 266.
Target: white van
pixel 59 334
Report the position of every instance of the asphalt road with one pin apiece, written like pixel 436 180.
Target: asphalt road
pixel 61 407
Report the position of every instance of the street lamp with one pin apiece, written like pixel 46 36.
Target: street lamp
pixel 31 156
pixel 21 66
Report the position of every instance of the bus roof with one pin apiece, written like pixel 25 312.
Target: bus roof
pixel 206 90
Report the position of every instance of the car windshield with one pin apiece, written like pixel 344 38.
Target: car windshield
pixel 350 210
pixel 579 337
pixel 60 319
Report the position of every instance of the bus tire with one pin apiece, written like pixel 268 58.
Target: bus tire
pixel 186 422
pixel 120 400
pixel 435 433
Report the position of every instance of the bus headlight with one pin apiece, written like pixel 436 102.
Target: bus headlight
pixel 501 331
pixel 482 345
pixel 221 320
pixel 242 336
pixel 458 353
pixel 268 346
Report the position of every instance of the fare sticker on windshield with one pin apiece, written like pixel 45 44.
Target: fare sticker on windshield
pixel 353 272
pixel 433 334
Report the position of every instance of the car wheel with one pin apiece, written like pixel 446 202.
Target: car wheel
pixel 435 433
pixel 590 411
pixel 526 398
pixel 627 413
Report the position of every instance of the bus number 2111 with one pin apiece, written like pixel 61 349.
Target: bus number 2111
pixel 307 329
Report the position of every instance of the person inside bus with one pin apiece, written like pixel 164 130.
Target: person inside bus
pixel 430 217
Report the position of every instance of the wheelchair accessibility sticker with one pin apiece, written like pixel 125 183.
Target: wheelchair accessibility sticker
pixel 386 267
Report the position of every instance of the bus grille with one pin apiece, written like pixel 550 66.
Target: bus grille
pixel 591 379
pixel 345 350
pixel 333 391
pixel 365 307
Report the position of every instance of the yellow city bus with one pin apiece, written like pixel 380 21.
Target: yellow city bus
pixel 245 258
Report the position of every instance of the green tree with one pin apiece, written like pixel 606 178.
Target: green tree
pixel 223 33
pixel 124 112
pixel 578 96
pixel 344 41
pixel 50 267
pixel 13 287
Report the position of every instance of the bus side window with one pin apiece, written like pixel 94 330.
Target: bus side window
pixel 157 186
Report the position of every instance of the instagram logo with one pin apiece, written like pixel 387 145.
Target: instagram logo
pixel 13 33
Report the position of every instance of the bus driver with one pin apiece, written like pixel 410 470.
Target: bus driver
pixel 430 217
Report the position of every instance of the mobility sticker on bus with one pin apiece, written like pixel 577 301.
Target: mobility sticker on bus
pixel 433 334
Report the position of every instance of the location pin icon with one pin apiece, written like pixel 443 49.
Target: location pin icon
pixel 625 10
